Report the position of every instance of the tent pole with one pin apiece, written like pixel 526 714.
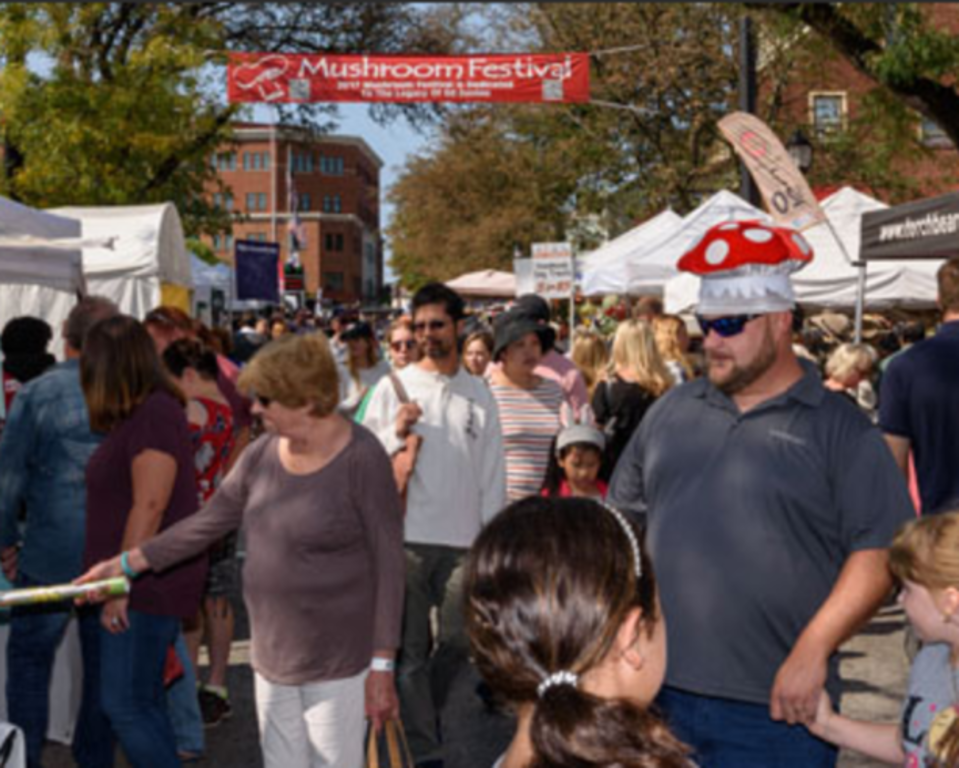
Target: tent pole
pixel 860 301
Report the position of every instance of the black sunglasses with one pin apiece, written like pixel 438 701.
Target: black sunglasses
pixel 433 325
pixel 263 401
pixel 730 325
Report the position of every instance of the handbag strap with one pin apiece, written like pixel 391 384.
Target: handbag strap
pixel 397 748
pixel 399 388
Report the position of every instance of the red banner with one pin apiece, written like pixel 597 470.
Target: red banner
pixel 295 78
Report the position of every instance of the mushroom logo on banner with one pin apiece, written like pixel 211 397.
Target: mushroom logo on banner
pixel 745 267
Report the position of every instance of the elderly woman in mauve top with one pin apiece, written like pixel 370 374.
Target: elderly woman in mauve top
pixel 324 573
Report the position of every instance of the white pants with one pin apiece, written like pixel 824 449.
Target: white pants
pixel 317 725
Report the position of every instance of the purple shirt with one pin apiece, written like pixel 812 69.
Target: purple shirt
pixel 158 424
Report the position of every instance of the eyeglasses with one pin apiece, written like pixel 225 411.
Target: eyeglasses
pixel 433 325
pixel 399 345
pixel 731 325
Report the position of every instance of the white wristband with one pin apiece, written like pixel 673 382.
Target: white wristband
pixel 379 664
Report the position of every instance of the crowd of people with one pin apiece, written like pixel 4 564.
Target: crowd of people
pixel 413 495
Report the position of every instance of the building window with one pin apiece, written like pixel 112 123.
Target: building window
pixel 224 202
pixel 302 163
pixel 256 201
pixel 259 237
pixel 256 161
pixel 334 241
pixel 828 112
pixel 223 243
pixel 224 161
pixel 932 135
pixel 333 281
pixel 331 166
pixel 304 204
pixel 332 204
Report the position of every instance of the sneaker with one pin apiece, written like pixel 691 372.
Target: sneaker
pixel 213 707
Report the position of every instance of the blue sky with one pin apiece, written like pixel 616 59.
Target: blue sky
pixel 393 142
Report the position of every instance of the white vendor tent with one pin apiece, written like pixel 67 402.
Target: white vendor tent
pixel 605 270
pixel 149 263
pixel 831 281
pixel 206 279
pixel 40 266
pixel 487 283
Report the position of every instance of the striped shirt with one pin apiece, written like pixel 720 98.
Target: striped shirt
pixel 529 420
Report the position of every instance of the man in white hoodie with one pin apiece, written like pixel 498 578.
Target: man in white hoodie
pixel 458 484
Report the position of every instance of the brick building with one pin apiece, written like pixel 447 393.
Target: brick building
pixel 824 94
pixel 336 179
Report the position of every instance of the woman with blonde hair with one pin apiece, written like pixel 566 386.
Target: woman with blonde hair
pixel 636 377
pixel 672 341
pixel 401 343
pixel 591 355
pixel 324 570
pixel 364 367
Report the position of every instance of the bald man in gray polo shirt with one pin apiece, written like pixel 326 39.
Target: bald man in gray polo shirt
pixel 769 502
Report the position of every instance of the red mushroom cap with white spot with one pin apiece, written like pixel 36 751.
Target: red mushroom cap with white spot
pixel 736 248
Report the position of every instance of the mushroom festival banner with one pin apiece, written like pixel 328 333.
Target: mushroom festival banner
pixel 299 78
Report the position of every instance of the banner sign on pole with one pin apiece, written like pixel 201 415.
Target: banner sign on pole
pixel 257 274
pixel 925 229
pixel 788 197
pixel 300 78
pixel 553 270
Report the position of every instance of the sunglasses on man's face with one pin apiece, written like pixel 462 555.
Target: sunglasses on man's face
pixel 400 345
pixel 728 326
pixel 433 325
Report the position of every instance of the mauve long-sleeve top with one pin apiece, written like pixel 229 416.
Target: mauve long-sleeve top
pixel 323 578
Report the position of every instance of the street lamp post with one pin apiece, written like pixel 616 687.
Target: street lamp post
pixel 801 151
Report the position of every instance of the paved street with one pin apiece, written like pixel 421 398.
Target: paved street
pixel 874 666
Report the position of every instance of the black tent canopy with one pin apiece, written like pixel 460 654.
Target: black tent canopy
pixel 925 229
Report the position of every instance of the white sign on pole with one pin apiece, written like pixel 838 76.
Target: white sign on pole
pixel 553 270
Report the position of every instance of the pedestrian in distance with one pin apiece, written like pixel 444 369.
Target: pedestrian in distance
pixel 565 626
pixel 924 558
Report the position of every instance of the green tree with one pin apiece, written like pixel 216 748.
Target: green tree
pixel 123 103
pixel 670 69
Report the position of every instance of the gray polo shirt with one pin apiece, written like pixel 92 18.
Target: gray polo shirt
pixel 751 517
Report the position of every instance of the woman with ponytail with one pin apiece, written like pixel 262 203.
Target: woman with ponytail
pixel 924 558
pixel 564 624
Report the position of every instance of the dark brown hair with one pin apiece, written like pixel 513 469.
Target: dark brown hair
pixel 549 583
pixel 188 353
pixel 119 370
pixel 948 280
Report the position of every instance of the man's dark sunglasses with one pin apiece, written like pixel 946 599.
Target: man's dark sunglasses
pixel 433 325
pixel 730 325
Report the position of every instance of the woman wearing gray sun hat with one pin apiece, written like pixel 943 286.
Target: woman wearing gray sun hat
pixel 529 404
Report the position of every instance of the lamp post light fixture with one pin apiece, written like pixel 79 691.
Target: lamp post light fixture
pixel 800 150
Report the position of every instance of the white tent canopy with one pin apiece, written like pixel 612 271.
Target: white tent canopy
pixel 149 250
pixel 605 269
pixel 487 283
pixel 831 281
pixel 38 276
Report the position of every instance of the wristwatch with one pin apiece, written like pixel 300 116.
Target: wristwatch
pixel 379 664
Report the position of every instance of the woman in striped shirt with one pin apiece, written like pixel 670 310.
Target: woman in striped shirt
pixel 529 405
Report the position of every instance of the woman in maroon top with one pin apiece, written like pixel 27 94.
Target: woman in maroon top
pixel 140 481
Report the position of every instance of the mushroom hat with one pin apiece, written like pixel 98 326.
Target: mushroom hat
pixel 745 267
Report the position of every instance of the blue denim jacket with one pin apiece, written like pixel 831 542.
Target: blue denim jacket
pixel 44 451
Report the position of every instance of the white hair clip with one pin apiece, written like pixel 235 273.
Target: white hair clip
pixel 563 677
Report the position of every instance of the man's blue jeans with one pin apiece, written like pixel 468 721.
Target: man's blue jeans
pixel 35 633
pixel 134 699
pixel 735 734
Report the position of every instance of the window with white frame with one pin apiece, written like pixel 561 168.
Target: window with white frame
pixel 827 112
pixel 931 134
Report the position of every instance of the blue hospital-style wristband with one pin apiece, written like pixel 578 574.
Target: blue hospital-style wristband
pixel 126 568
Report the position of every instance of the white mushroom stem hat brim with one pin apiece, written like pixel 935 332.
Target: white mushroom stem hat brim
pixel 745 293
